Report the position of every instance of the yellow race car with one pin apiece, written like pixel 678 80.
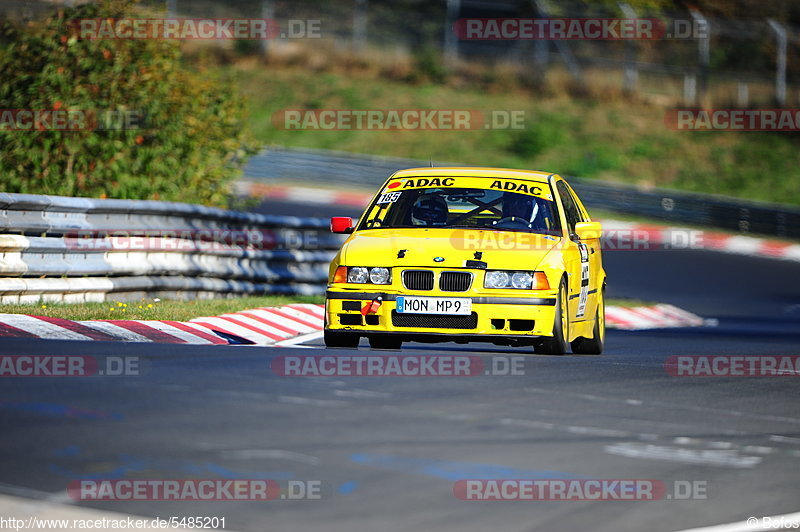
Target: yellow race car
pixel 469 255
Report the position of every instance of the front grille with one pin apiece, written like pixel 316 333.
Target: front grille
pixel 434 321
pixel 455 281
pixel 418 279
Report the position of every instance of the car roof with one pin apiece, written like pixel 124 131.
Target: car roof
pixel 473 171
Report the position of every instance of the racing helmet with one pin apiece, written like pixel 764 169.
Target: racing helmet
pixel 518 206
pixel 430 209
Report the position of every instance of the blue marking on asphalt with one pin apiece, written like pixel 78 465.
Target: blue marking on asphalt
pixel 348 487
pixel 70 450
pixel 127 464
pixel 108 474
pixel 53 409
pixel 454 471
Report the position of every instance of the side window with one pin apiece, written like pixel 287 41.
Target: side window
pixel 582 213
pixel 571 211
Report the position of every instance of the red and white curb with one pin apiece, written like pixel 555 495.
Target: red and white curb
pixel 262 326
pixel 322 196
pixel 635 236
pixel 655 317
pixel 270 326
pixel 277 326
pixel 621 235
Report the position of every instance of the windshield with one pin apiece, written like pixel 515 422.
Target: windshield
pixel 479 208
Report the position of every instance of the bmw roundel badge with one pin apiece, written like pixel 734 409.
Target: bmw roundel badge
pixel 438 259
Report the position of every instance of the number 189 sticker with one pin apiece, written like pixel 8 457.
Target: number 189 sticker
pixel 389 197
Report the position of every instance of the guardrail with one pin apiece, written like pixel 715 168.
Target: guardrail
pixel 296 165
pixel 55 248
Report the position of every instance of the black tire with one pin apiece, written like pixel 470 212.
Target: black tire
pixel 557 344
pixel 340 339
pixel 385 341
pixel 595 344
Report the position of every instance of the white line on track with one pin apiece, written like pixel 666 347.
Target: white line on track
pixel 753 524
pixel 721 458
pixel 271 454
pixel 299 340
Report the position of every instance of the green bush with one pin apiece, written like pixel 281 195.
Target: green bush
pixel 531 142
pixel 185 142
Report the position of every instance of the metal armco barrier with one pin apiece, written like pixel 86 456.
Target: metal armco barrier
pixel 55 248
pixel 369 172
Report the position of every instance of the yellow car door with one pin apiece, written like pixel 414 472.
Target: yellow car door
pixel 577 257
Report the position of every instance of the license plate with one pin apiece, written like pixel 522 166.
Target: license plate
pixel 434 305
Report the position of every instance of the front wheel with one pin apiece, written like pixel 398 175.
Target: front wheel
pixel 557 344
pixel 340 339
pixel 595 344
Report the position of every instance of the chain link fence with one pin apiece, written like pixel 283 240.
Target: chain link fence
pixel 699 59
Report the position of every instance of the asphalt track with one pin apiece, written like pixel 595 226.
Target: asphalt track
pixel 388 450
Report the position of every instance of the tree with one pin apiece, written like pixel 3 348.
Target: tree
pixel 147 126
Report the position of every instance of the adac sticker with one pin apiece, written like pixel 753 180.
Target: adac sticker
pixel 422 182
pixel 520 187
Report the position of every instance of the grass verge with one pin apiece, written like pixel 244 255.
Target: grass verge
pixel 153 309
pixel 172 310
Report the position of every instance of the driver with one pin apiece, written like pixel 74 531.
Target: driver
pixel 429 210
pixel 521 207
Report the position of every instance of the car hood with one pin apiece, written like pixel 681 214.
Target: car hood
pixel 427 247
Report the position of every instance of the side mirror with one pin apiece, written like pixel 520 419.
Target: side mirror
pixel 588 230
pixel 341 224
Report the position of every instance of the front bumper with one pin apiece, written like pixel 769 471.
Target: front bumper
pixel 493 317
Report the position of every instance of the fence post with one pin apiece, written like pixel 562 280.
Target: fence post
pixel 780 60
pixel 703 50
pixel 563 50
pixel 267 12
pixel 450 37
pixel 631 72
pixel 742 95
pixel 359 25
pixel 541 56
pixel 689 89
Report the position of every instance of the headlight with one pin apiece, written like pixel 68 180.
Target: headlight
pixel 496 280
pixel 379 275
pixel 361 275
pixel 522 280
pixel 357 275
pixel 516 280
